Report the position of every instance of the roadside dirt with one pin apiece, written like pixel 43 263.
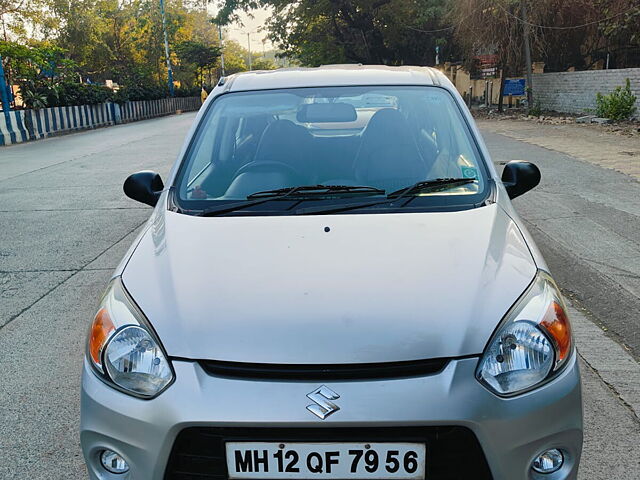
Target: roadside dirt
pixel 611 146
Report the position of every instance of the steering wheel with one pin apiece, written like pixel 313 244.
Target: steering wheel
pixel 269 166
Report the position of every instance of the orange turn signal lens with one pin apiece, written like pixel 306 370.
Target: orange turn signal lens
pixel 557 325
pixel 101 329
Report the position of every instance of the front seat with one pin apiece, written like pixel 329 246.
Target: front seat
pixel 286 143
pixel 388 157
pixel 282 159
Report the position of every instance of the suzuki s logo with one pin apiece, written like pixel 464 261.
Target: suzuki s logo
pixel 323 406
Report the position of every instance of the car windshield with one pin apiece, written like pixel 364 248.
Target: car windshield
pixel 384 138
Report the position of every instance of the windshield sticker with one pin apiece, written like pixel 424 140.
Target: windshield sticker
pixel 469 172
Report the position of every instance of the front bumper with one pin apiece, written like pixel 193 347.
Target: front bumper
pixel 511 431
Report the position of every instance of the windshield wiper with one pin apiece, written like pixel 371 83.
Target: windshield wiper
pixel 258 198
pixel 431 186
pixel 425 186
pixel 319 190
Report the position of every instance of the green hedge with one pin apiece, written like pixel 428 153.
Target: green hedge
pixel 68 94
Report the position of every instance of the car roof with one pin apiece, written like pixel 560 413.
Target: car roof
pixel 334 75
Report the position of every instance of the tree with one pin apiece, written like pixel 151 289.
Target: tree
pixel 365 31
pixel 97 40
pixel 494 27
pixel 123 41
pixel 489 27
pixel 234 57
pixel 264 64
pixel 200 56
pixel 17 17
pixel 565 33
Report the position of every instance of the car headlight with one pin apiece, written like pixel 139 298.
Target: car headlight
pixel 531 344
pixel 123 349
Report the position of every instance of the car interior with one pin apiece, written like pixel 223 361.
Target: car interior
pixel 389 145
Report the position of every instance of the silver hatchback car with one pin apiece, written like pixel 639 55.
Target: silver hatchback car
pixel 333 285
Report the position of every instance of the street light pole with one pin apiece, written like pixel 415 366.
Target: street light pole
pixel 221 50
pixel 527 53
pixel 166 49
pixel 249 44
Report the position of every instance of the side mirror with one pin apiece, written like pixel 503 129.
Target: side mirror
pixel 145 187
pixel 519 177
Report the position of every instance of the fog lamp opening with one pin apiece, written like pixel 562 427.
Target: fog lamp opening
pixel 113 462
pixel 548 461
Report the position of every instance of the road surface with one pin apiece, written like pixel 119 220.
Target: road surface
pixel 66 224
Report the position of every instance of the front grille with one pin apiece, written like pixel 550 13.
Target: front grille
pixel 309 372
pixel 453 453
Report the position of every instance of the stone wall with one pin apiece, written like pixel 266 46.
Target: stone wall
pixel 575 92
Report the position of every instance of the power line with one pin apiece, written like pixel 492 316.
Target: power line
pixel 452 27
pixel 430 31
pixel 569 27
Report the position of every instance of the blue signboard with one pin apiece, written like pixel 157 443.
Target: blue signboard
pixel 514 86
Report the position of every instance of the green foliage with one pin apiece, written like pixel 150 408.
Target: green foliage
pixel 264 64
pixel 68 93
pixel 82 94
pixel 122 41
pixel 198 56
pixel 393 32
pixel 34 99
pixel 536 109
pixel 46 78
pixel 38 95
pixel 187 92
pixel 142 92
pixel 618 105
pixel 35 62
pixel 234 58
pixel 92 41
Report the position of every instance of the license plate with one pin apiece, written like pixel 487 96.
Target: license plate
pixel 401 461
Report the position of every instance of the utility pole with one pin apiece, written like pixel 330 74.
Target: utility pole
pixel 166 49
pixel 527 52
pixel 249 45
pixel 221 50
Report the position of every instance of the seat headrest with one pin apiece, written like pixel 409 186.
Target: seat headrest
pixel 388 121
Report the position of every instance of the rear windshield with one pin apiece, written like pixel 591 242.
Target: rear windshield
pixel 384 137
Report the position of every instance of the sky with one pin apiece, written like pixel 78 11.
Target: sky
pixel 239 32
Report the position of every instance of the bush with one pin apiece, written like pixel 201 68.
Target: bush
pixel 39 95
pixel 138 92
pixel 33 99
pixel 82 94
pixel 142 92
pixel 187 92
pixel 536 109
pixel 618 105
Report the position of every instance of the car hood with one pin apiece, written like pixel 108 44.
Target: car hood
pixel 333 289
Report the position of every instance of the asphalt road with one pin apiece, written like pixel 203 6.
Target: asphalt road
pixel 586 219
pixel 66 224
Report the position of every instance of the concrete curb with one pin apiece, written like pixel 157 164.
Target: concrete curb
pixel 609 360
pixel 25 125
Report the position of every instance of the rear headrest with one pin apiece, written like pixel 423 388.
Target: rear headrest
pixel 326 113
